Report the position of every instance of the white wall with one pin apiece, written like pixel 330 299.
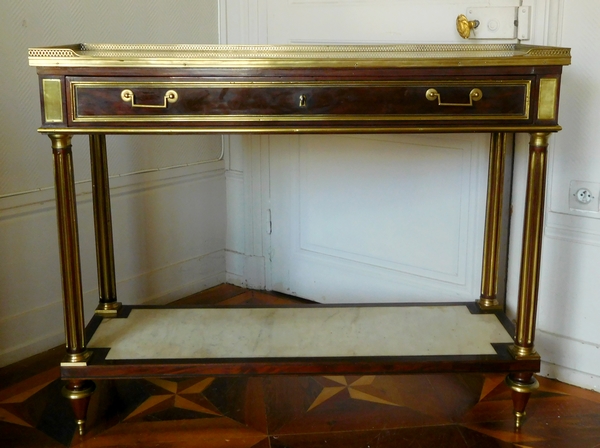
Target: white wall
pixel 568 335
pixel 161 253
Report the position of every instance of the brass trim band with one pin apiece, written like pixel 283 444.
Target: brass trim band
pixel 304 130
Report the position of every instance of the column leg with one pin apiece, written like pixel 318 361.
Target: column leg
pixel 68 236
pixel 523 348
pixel 79 392
pixel 493 223
pixel 108 305
pixel 532 248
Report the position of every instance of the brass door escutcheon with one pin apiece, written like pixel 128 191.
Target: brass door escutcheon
pixel 464 26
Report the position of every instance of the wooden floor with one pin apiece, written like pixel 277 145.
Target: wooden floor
pixel 467 410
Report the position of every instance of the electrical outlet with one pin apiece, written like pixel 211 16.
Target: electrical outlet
pixel 583 196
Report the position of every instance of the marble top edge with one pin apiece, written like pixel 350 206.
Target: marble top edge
pixel 206 55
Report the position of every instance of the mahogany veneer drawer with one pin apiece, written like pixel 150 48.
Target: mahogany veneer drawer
pixel 130 101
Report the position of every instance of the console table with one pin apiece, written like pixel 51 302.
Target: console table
pixel 167 89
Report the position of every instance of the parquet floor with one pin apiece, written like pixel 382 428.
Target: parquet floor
pixel 466 410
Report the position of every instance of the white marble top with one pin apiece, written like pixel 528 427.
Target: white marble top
pixel 299 332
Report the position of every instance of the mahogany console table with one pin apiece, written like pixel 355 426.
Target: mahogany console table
pixel 154 89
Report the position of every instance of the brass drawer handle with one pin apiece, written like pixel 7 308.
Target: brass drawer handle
pixel 170 97
pixel 474 95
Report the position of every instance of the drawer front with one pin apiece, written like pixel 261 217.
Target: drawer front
pixel 206 101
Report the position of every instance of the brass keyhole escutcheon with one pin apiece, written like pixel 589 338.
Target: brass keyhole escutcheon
pixel 464 26
pixel 302 101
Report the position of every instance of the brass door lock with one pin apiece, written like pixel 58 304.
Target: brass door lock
pixel 464 26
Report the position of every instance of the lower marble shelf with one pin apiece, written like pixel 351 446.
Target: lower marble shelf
pixel 162 341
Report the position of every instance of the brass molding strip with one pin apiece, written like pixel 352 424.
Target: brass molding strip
pixel 303 130
pixel 77 86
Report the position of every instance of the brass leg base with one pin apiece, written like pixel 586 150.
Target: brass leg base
pixel 79 393
pixel 488 304
pixel 523 353
pixel 77 359
pixel 110 309
pixel 522 384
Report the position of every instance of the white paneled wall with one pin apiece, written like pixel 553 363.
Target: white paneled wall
pixel 168 218
pixel 569 312
pixel 568 335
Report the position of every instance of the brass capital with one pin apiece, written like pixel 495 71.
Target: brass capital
pixel 60 141
pixel 539 139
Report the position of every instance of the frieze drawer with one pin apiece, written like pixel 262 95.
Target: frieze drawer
pixel 167 101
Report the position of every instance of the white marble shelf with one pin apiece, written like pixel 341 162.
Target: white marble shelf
pixel 235 333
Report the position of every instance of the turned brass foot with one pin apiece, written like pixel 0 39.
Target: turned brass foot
pixel 522 384
pixel 519 416
pixel 79 393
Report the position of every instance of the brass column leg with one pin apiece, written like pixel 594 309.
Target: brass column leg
pixel 103 227
pixel 532 248
pixel 523 383
pixel 493 223
pixel 78 392
pixel 68 236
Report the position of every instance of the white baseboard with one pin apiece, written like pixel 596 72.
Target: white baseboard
pixel 570 376
pixel 245 270
pixel 583 359
pixel 31 347
pixel 156 287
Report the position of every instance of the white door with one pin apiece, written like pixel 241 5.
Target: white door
pixel 371 218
